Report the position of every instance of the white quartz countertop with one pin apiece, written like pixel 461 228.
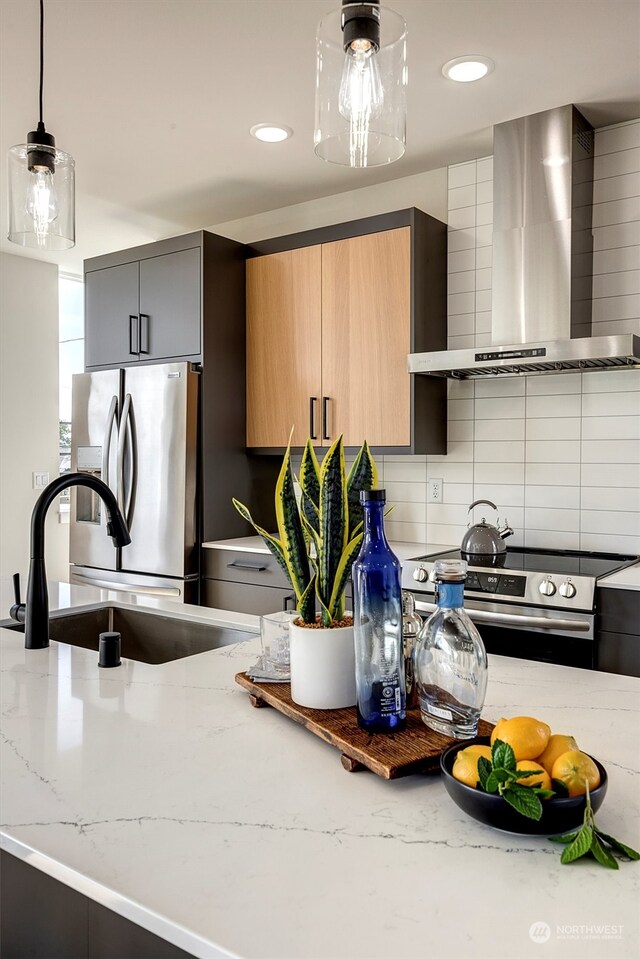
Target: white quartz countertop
pixel 160 792
pixel 628 578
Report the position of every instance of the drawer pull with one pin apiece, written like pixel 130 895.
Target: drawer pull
pixel 247 564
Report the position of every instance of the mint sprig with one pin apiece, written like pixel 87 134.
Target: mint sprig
pixel 501 775
pixel 590 841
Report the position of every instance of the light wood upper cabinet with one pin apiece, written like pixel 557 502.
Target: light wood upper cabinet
pixel 366 336
pixel 331 316
pixel 284 350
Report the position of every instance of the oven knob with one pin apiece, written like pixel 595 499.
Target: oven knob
pixel 567 589
pixel 420 574
pixel 547 587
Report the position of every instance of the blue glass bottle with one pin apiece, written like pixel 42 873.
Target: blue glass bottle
pixel 377 599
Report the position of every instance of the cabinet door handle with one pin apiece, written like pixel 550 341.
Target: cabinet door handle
pixel 289 599
pixel 325 418
pixel 134 331
pixel 144 333
pixel 312 417
pixel 254 567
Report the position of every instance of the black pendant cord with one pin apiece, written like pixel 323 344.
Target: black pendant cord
pixel 41 88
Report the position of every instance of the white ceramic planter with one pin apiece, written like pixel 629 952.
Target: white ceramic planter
pixel 323 667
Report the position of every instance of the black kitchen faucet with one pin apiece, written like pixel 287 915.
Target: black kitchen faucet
pixel 35 613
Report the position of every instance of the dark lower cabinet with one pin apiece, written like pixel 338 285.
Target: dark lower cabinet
pixel 619 631
pixel 41 918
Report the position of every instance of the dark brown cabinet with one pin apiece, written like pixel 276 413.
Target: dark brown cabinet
pixel 146 310
pixel 618 631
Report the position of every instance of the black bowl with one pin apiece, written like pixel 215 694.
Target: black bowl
pixel 559 815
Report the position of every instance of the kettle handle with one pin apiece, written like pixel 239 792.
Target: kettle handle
pixel 478 501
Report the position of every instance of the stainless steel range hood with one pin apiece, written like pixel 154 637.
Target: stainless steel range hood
pixel 542 257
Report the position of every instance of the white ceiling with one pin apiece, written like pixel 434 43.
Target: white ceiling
pixel 154 98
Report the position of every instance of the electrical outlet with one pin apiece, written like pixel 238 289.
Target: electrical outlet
pixel 434 488
pixel 39 479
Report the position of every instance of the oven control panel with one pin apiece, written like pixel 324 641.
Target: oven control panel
pixel 506 585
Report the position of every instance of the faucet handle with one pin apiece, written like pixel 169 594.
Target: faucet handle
pixel 17 611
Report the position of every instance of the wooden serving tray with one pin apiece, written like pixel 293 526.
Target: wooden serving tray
pixel 416 749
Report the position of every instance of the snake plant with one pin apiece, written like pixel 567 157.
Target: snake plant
pixel 319 538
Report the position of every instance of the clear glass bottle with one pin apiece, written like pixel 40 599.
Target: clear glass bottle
pixel 377 600
pixel 450 661
pixel 411 626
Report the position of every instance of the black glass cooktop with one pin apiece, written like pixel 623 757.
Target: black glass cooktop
pixel 569 562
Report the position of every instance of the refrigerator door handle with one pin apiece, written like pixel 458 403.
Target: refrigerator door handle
pixel 106 446
pixel 124 434
pixel 124 588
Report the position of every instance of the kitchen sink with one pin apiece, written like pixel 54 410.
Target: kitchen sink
pixel 145 637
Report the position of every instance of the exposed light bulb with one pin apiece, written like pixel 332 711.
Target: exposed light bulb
pixel 42 203
pixel 361 97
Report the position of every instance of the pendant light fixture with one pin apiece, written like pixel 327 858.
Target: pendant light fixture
pixel 361 84
pixel 41 185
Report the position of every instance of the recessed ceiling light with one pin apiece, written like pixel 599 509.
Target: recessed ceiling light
pixel 466 69
pixel 271 132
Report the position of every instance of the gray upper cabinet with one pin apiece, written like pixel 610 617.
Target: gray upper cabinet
pixel 170 305
pixel 146 310
pixel 111 309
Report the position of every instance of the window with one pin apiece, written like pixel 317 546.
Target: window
pixel 71 355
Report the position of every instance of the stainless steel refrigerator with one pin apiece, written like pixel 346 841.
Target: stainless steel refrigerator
pixel 137 429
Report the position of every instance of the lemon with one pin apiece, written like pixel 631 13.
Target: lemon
pixel 465 765
pixel 528 737
pixel 557 745
pixel 575 769
pixel 543 780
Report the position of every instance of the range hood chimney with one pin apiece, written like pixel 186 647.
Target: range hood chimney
pixel 542 257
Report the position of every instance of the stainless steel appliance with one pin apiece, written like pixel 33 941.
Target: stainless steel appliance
pixel 137 429
pixel 541 605
pixel 542 257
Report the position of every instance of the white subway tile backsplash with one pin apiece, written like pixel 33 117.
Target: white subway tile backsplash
pixel 462 196
pixel 461 260
pixel 483 300
pixel 447 514
pixel 485 169
pixel 461 389
pixel 408 512
pixel 498 429
pixel 406 532
pixel 461 324
pixel 450 472
pixel 622 136
pixel 611 451
pixel 407 472
pixel 611 404
pixel 501 494
pixel 461 303
pixel 616 284
pixel 611 381
pixel 614 211
pixel 458 493
pixel 554 428
pixel 466 342
pixel 460 409
pixel 460 240
pixel 483 279
pixel 448 535
pixel 511 474
pixel 484 214
pixel 483 322
pixel 616 164
pixel 484 236
pixel 553 451
pixel 603 498
pixel 556 404
pixel 551 539
pixel 457 452
pixel 610 521
pixel 616 327
pixel 501 386
pixel 509 451
pixel 613 475
pixel 484 192
pixel 484 257
pixel 610 237
pixel 461 174
pixel 463 218
pixel 567 520
pixel 560 474
pixel 552 383
pixel 611 427
pixel 616 308
pixel 614 261
pixel 610 542
pixel 465 281
pixel 483 339
pixel 553 497
pixel 616 187
pixel 460 430
pixel 499 407
pixel 398 492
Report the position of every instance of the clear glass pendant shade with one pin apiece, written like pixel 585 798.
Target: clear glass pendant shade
pixel 361 92
pixel 41 203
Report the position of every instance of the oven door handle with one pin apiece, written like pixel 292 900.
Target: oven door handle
pixel 513 619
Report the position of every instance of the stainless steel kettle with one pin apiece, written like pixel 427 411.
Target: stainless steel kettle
pixel 484 539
